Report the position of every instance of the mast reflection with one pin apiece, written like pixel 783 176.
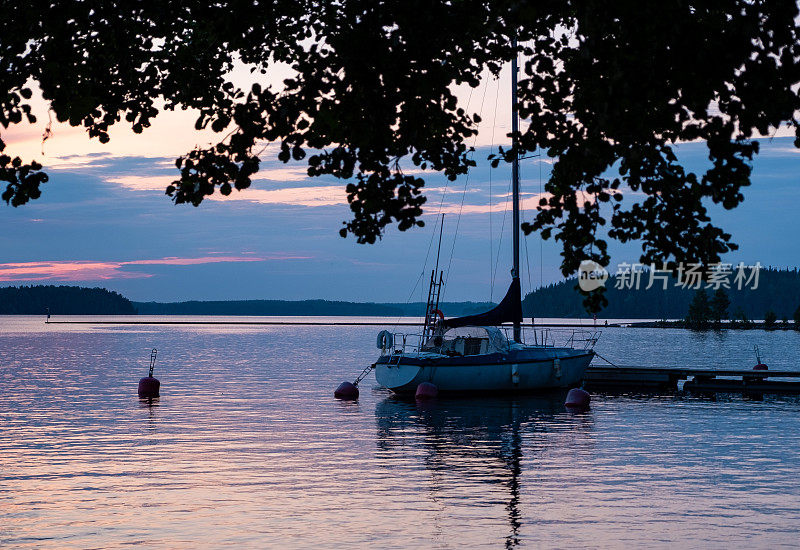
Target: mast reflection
pixel 477 440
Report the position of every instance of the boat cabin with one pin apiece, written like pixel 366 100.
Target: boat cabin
pixel 472 341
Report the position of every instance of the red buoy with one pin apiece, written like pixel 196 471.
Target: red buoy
pixel 426 390
pixel 149 387
pixel 346 390
pixel 577 399
pixel 759 364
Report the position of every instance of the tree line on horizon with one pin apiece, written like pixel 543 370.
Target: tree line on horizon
pixel 777 297
pixel 75 300
pixel 63 300
pixel 711 311
pixel 778 292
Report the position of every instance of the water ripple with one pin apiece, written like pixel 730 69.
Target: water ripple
pixel 246 447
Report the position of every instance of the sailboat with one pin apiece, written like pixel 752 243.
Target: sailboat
pixel 474 353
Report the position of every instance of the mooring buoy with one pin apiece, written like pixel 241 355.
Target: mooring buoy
pixel 426 390
pixel 150 387
pixel 759 363
pixel 347 391
pixel 577 399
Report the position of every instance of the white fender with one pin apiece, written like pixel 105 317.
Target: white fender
pixel 385 340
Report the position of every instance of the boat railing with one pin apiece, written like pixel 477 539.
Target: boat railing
pixel 577 338
pixel 403 344
pixel 414 343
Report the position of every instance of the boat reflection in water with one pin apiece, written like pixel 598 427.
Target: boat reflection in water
pixel 474 450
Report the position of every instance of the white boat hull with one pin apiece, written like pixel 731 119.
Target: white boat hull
pixel 554 368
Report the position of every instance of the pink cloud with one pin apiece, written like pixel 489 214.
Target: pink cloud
pixel 99 271
pixel 529 201
pixel 283 173
pixel 143 183
pixel 64 271
pixel 320 195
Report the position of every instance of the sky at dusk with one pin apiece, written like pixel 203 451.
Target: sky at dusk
pixel 103 220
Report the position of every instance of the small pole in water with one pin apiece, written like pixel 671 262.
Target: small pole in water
pixel 48 315
pixel 759 364
pixel 148 386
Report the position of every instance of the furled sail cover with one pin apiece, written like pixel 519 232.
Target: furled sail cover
pixel 508 310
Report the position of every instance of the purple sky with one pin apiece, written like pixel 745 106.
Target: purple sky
pixel 103 220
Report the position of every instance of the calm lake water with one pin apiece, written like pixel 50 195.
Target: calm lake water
pixel 247 448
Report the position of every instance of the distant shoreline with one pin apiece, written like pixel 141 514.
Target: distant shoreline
pixel 325 320
pixel 723 325
pixel 295 308
pixel 60 301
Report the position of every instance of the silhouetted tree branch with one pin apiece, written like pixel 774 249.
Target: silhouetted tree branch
pixel 608 88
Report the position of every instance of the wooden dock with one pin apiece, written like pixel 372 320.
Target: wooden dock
pixel 704 381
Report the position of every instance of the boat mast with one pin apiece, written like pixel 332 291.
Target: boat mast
pixel 515 177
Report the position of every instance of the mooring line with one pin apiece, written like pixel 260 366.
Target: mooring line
pixel 606 360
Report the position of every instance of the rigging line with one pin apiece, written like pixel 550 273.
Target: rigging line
pixel 522 216
pixel 463 194
pixel 491 232
pixel 444 192
pixel 422 273
pixel 527 255
pixel 541 240
pixel 446 181
pixel 433 234
pixel 528 265
pixel 502 232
